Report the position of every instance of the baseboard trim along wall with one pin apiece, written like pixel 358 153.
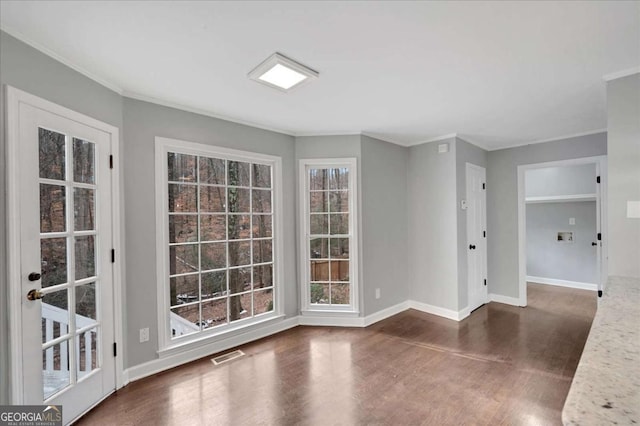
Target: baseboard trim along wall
pixel 442 312
pixel 504 299
pixel 563 283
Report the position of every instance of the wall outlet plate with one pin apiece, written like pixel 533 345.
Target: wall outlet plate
pixel 144 335
pixel 572 221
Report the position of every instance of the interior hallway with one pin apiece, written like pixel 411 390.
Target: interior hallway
pixel 502 365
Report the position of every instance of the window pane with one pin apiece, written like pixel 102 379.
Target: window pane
pixel 212 171
pixel 52 208
pixel 183 229
pixel 184 289
pixel 212 199
pixel 319 202
pixel 262 251
pixel 214 256
pixel 262 226
pixel 85 305
pixel 214 284
pixel 239 253
pixel 53 253
pixel 85 257
pixel 52 154
pixel 339 270
pixel 87 350
pixel 83 161
pixel 183 198
pixel 339 178
pixel 318 179
pixel 262 276
pixel 339 224
pixel 261 175
pixel 339 201
pixel 55 368
pixel 239 280
pixel 185 320
pixel 83 212
pixel 213 227
pixel 183 259
pixel 319 248
pixel 319 293
pixel 262 302
pixel 214 312
pixel 319 270
pixel 340 293
pixel 238 200
pixel 181 167
pixel 239 226
pixel 240 307
pixel 319 224
pixel 238 173
pixel 339 248
pixel 261 201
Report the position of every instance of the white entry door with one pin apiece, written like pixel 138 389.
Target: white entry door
pixel 64 353
pixel 476 235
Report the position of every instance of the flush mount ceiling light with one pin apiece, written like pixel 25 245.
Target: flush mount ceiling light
pixel 282 73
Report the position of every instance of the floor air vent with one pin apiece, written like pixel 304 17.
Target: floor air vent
pixel 227 357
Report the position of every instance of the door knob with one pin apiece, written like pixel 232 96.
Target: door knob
pixel 594 243
pixel 34 294
pixel 34 276
pixel 472 247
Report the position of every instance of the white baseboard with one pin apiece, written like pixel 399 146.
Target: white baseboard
pixel 386 313
pixel 563 283
pixel 157 365
pixel 320 320
pixel 436 310
pixel 504 299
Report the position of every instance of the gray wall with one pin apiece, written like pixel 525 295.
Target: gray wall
pixel 465 153
pixel 549 258
pixel 338 146
pixel 502 201
pixel 384 224
pixel 623 114
pixel 142 123
pixel 432 225
pixel 27 69
pixel 566 180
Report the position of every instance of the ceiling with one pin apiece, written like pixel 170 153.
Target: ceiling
pixel 495 73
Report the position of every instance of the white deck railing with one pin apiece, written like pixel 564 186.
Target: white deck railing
pixel 180 326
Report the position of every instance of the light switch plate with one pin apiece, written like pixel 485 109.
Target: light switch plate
pixel 572 221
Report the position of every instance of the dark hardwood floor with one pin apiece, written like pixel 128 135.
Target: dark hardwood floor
pixel 501 366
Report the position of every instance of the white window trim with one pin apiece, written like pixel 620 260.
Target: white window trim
pixel 303 229
pixel 167 345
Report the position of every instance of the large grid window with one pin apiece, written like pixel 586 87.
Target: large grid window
pixel 329 236
pixel 220 241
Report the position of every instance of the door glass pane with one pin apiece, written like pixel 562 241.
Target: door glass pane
pixel 87 350
pixel 52 154
pixel 53 255
pixel 85 257
pixel 55 316
pixel 55 368
pixel 84 210
pixel 85 305
pixel 83 161
pixel 52 208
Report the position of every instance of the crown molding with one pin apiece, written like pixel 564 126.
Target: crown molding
pixel 558 138
pixel 621 74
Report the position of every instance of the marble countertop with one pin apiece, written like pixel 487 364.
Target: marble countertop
pixel 606 386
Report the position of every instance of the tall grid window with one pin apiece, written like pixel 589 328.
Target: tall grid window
pixel 220 241
pixel 329 236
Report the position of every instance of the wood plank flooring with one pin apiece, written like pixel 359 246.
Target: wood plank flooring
pixel 501 366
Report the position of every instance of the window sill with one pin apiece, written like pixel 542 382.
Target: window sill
pixel 211 338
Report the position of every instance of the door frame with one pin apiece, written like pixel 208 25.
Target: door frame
pixel 15 97
pixel 601 195
pixel 483 242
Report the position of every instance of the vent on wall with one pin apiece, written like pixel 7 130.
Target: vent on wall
pixel 227 357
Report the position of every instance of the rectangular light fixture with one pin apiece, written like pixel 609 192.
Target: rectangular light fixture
pixel 282 73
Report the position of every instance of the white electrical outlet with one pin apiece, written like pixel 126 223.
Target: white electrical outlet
pixel 144 335
pixel 572 221
pixel 377 293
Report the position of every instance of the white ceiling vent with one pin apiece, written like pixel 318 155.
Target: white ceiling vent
pixel 282 73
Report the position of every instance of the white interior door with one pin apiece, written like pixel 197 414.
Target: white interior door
pixel 476 235
pixel 66 318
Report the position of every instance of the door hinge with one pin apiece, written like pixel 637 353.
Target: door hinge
pixel 484 234
pixel 111 161
pixel 484 186
pixel 599 293
pixel 598 179
pixel 485 281
pixel 599 236
pixel 113 256
pixel 115 349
